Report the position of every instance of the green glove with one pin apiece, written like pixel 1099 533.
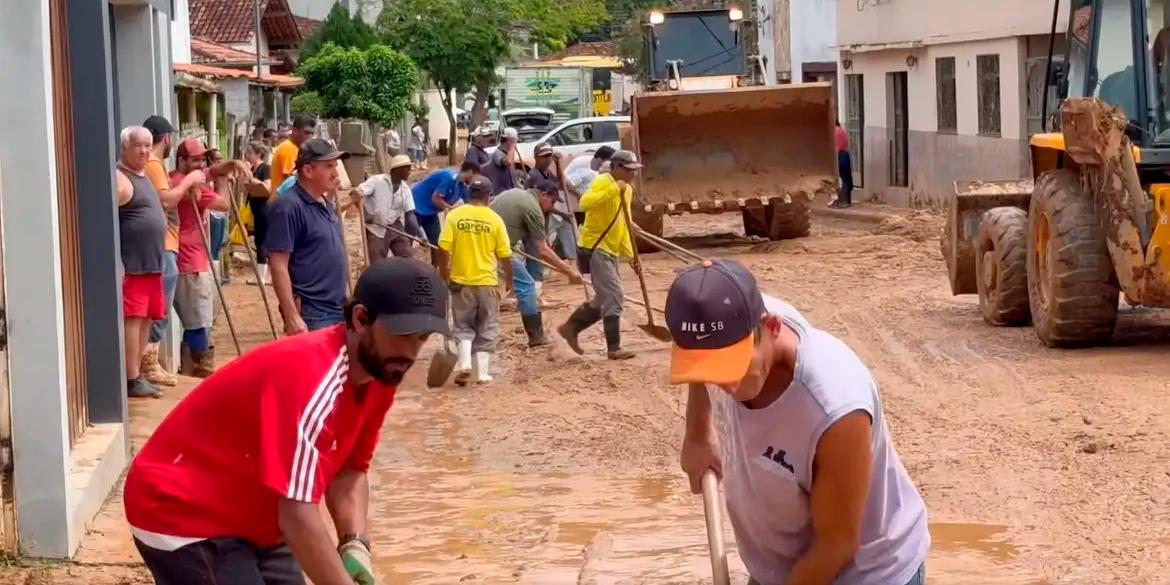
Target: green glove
pixel 358 561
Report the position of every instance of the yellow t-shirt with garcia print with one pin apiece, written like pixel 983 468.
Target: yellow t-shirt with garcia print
pixel 476 239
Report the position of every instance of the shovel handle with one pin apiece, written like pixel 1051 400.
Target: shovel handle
pixel 714 515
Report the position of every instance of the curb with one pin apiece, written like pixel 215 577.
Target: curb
pixel 861 215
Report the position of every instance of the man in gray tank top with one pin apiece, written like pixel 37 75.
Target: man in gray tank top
pixel 792 420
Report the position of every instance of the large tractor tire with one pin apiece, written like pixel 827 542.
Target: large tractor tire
pixel 779 220
pixel 1072 287
pixel 787 221
pixel 1001 266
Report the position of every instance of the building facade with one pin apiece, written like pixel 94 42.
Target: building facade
pixel 798 38
pixel 74 73
pixel 937 91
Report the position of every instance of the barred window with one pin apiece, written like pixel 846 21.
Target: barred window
pixel 987 72
pixel 944 79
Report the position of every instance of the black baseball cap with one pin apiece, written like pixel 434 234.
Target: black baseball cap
pixel 318 150
pixel 405 295
pixel 546 187
pixel 158 126
pixel 604 153
pixel 713 310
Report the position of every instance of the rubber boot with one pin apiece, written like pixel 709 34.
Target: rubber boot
pixel 140 388
pixel 186 360
pixel 204 363
pixel 539 284
pixel 534 327
pixel 463 365
pixel 580 320
pixel 613 339
pixel 153 371
pixel 483 362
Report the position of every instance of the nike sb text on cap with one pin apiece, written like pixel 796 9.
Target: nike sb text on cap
pixel 713 309
pixel 405 295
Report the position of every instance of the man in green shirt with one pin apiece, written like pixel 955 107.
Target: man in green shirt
pixel 523 212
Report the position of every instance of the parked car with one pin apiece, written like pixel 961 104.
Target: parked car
pixel 530 123
pixel 579 136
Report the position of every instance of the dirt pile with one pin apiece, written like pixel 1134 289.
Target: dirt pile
pixel 919 225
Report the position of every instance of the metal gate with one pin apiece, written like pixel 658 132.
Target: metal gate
pixel 899 114
pixel 67 211
pixel 855 124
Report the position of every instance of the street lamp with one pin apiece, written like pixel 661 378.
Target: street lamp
pixel 657 17
pixel 735 14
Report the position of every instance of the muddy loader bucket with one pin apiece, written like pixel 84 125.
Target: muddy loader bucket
pixel 972 199
pixel 734 146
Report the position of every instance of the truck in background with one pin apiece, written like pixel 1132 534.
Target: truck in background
pixel 567 91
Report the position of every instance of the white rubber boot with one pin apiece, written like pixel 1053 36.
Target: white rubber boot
pixel 215 270
pixel 539 291
pixel 483 362
pixel 463 365
pixel 263 269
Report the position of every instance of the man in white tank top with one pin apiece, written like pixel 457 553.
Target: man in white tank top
pixel 792 420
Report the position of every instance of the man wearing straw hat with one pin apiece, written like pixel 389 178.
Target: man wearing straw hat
pixel 387 202
pixel 814 487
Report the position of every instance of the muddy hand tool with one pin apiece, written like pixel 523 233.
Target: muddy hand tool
pixel 714 515
pixel 670 247
pixel 206 239
pixel 235 211
pixel 658 332
pixel 427 244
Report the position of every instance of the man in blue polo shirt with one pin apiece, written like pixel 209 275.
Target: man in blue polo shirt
pixel 306 249
pixel 442 190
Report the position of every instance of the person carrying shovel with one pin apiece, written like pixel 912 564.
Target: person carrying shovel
pixel 605 239
pixel 476 246
pixel 523 212
pixel 815 490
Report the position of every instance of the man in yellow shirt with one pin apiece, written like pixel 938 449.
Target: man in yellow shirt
pixel 475 240
pixel 284 158
pixel 604 241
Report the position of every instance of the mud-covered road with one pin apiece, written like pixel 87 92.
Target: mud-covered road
pixel 1037 465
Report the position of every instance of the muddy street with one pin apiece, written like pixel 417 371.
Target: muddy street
pixel 1038 466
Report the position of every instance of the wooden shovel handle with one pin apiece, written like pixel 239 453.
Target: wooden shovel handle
pixel 714 514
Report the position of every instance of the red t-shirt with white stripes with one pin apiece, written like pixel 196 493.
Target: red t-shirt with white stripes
pixel 279 422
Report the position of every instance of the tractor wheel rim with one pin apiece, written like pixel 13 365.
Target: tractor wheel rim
pixel 1041 239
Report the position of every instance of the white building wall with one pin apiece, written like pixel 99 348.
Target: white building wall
pixel 181 32
pixel 867 22
pixel 813 34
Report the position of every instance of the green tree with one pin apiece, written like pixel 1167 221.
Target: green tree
pixel 459 43
pixel 307 102
pixel 556 23
pixel 342 29
pixel 375 84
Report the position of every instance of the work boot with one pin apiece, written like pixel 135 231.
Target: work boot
pixel 153 371
pixel 580 320
pixel 140 388
pixel 186 360
pixel 204 363
pixel 483 362
pixel 463 365
pixel 613 339
pixel 534 327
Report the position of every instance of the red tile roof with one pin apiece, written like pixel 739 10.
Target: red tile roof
pixel 233 21
pixel 210 52
pixel 221 72
pixel 587 49
pixel 307 26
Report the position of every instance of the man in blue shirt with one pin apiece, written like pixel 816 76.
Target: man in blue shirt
pixel 442 190
pixel 306 249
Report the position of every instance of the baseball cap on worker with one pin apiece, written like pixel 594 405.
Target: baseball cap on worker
pixel 405 295
pixel 191 147
pixel 713 310
pixel 547 187
pixel 400 160
pixel 480 185
pixel 625 158
pixel 543 149
pixel 318 150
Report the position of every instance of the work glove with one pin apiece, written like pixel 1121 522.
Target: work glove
pixel 358 561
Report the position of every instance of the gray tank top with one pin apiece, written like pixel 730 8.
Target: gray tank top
pixel 768 467
pixel 142 228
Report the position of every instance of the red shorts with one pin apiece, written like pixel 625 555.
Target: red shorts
pixel 142 296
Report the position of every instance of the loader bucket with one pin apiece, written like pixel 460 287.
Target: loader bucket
pixel 749 143
pixel 972 199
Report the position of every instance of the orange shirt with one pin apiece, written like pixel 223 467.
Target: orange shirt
pixel 284 162
pixel 156 171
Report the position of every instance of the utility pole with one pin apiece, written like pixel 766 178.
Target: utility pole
pixel 256 33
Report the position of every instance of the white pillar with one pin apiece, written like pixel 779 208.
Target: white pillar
pixel 213 122
pixel 32 276
pixel 134 52
pixel 192 116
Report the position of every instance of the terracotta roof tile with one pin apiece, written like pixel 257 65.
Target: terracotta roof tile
pixel 220 72
pixel 307 26
pixel 210 52
pixel 233 21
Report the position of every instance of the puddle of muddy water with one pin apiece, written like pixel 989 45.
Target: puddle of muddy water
pixel 442 516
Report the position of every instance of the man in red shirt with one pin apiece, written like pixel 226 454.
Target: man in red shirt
pixel 844 168
pixel 227 489
pixel 195 289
